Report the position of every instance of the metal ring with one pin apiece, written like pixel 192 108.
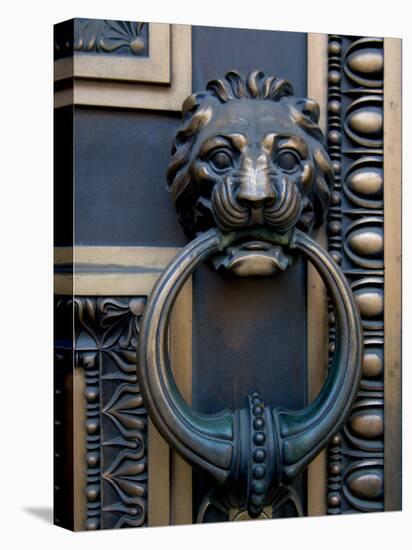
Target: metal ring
pixel 219 443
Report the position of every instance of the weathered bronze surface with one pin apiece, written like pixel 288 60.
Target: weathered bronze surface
pixel 249 172
pixel 356 241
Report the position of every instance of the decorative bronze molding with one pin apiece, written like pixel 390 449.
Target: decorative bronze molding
pixel 122 468
pixel 355 230
pixel 105 343
pixel 114 50
pixel 103 36
pixel 107 36
pixel 137 76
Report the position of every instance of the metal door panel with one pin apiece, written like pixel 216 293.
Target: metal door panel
pixel 228 336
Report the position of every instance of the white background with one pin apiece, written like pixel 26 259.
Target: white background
pixel 26 272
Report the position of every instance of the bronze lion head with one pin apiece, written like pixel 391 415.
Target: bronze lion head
pixel 250 153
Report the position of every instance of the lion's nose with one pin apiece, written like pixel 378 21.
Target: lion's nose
pixel 255 190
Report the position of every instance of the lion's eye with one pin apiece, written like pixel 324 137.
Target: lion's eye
pixel 221 160
pixel 287 160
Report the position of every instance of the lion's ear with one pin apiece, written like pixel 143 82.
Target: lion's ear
pixel 309 108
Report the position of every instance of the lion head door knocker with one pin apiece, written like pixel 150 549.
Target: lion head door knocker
pixel 250 179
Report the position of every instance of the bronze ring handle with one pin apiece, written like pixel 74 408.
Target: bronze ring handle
pixel 254 449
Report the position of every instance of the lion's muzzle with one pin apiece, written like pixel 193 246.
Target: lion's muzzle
pixel 255 190
pixel 243 199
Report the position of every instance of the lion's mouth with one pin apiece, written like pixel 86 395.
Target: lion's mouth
pixel 257 258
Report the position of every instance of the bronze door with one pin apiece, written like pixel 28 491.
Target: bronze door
pixel 253 332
